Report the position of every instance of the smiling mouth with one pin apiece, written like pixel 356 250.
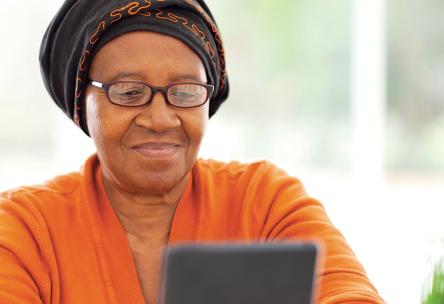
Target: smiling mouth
pixel 156 149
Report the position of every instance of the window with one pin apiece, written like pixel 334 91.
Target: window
pixel 346 95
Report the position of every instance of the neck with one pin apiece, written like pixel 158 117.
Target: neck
pixel 144 216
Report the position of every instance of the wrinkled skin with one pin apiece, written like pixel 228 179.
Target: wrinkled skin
pixel 159 60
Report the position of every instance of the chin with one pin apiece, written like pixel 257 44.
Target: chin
pixel 158 183
pixel 150 177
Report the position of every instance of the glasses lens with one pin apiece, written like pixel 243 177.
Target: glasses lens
pixel 187 95
pixel 129 94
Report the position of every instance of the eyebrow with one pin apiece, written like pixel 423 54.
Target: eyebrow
pixel 185 77
pixel 127 75
pixel 138 75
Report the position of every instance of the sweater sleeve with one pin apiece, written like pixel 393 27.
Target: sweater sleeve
pixel 291 214
pixel 24 276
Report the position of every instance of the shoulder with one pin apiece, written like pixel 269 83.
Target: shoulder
pixel 255 200
pixel 236 168
pixel 33 207
pixel 61 190
pixel 58 187
pixel 254 174
pixel 29 214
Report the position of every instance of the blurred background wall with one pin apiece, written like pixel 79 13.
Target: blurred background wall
pixel 347 95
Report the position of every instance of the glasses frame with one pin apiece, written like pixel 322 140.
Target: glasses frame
pixel 154 90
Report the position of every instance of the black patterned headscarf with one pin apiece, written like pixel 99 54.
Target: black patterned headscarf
pixel 81 27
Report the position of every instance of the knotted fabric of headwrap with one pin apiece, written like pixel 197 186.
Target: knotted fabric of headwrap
pixel 81 27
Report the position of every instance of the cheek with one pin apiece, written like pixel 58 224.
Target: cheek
pixel 197 125
pixel 99 119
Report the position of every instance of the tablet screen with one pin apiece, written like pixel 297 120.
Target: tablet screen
pixel 278 273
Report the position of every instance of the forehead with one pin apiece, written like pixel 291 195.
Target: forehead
pixel 149 54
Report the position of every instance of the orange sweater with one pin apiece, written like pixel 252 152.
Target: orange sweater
pixel 62 242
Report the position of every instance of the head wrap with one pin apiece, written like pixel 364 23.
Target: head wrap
pixel 81 27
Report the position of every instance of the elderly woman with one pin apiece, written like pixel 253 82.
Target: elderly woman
pixel 142 78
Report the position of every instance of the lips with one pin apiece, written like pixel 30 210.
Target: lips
pixel 156 149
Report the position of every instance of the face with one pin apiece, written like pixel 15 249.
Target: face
pixel 150 148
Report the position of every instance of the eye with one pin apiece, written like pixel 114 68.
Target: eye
pixel 183 94
pixel 130 93
pixel 125 93
pixel 187 95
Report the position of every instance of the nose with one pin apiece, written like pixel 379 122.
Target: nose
pixel 158 116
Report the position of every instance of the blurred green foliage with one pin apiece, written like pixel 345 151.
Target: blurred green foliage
pixel 436 293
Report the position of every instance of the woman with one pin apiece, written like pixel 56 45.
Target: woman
pixel 141 78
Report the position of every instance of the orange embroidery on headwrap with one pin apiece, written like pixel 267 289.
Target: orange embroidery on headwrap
pixel 198 31
pixel 83 60
pixel 204 14
pixel 203 37
pixel 136 8
pixel 99 29
pixel 217 39
pixel 177 18
pixel 160 14
pixel 139 10
pixel 77 111
pixel 209 49
pixel 193 27
pixel 117 13
pixel 78 87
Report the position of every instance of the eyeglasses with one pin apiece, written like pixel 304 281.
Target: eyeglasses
pixel 134 94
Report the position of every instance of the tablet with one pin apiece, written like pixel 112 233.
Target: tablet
pixel 278 273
